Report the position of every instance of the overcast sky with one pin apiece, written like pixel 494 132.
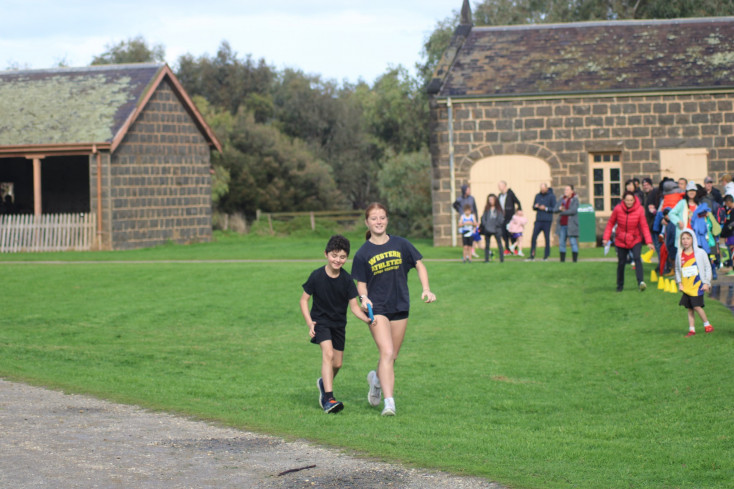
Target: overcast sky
pixel 339 39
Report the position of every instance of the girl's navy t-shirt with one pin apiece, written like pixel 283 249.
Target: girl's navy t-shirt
pixel 384 268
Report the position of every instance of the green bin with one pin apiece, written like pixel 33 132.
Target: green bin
pixel 587 224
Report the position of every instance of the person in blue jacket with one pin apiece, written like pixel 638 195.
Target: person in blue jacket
pixel 543 205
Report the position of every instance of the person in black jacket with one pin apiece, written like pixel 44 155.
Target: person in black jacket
pixel 510 203
pixel 543 205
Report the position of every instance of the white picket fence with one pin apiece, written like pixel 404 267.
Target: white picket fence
pixel 48 232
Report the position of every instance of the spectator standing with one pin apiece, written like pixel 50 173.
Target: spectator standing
pixel 568 223
pixel 516 227
pixel 467 223
pixel 466 198
pixel 650 201
pixel 509 203
pixel 493 222
pixel 683 210
pixel 629 217
pixel 544 206
pixel 728 184
pixel 713 197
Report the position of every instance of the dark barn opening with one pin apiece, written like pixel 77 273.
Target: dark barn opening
pixel 19 173
pixel 64 184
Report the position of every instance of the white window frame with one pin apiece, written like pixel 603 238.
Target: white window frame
pixel 606 161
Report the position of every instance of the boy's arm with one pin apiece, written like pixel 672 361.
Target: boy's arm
pixel 357 311
pixel 307 314
pixel 427 295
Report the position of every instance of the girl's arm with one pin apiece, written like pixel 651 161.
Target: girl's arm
pixel 307 314
pixel 427 295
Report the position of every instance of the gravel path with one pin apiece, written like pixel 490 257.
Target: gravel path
pixel 49 439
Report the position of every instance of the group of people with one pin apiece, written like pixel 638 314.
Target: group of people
pixel 380 268
pixel 690 226
pixel 503 219
pixel 689 222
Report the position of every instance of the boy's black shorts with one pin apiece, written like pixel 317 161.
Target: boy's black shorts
pixel 467 241
pixel 689 302
pixel 337 336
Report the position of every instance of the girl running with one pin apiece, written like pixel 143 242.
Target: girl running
pixel 381 269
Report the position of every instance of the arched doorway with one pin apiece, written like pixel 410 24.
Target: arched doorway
pixel 523 174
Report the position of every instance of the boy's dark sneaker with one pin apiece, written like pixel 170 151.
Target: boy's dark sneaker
pixel 320 385
pixel 332 406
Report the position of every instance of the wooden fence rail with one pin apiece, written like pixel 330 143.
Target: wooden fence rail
pixel 48 232
pixel 331 215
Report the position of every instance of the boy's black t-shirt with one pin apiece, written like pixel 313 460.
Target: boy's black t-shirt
pixel 384 268
pixel 330 297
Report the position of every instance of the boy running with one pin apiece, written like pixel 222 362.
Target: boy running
pixel 332 288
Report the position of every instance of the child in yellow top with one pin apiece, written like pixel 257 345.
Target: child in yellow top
pixel 693 275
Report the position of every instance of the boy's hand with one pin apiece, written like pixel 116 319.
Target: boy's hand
pixel 706 287
pixel 366 300
pixel 428 296
pixel 311 329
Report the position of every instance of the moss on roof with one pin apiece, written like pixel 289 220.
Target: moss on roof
pixel 78 105
pixel 616 56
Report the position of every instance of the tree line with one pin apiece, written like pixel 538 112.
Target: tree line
pixel 294 141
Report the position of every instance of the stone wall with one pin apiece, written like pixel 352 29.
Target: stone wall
pixel 160 181
pixel 564 132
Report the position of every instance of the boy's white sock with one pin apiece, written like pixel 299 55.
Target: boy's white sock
pixel 692 328
pixel 389 401
pixel 707 323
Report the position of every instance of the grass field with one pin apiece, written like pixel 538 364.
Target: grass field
pixel 536 375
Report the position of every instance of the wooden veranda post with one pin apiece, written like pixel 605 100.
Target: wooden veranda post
pixel 37 207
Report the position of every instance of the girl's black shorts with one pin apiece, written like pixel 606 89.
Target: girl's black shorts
pixel 689 302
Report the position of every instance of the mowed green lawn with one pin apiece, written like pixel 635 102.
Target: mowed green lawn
pixel 535 375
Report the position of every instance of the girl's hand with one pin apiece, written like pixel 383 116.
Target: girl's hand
pixel 706 287
pixel 366 301
pixel 428 296
pixel 681 225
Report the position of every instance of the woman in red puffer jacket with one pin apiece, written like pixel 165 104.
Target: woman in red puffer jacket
pixel 629 216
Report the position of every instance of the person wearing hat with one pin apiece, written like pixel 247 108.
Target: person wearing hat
pixel 681 214
pixel 713 197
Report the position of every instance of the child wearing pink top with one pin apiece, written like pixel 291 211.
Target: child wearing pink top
pixel 516 227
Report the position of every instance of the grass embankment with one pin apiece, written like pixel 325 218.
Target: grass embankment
pixel 536 375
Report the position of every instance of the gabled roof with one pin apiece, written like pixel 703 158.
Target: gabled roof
pixel 588 58
pixel 76 109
